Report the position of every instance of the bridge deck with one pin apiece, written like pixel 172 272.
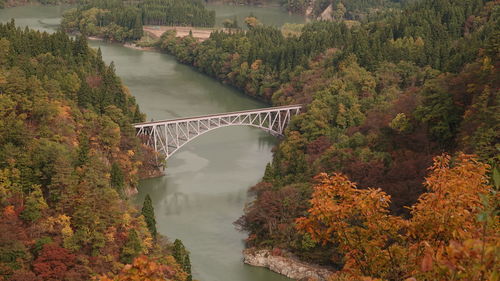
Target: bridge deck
pixel 267 109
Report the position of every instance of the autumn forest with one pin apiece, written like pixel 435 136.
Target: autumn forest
pixel 390 172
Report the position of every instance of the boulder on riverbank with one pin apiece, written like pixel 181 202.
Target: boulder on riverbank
pixel 285 264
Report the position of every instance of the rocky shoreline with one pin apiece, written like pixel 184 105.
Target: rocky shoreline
pixel 124 44
pixel 285 264
pixel 135 47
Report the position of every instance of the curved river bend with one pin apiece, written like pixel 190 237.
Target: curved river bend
pixel 205 189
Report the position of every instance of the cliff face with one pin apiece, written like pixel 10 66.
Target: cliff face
pixel 285 264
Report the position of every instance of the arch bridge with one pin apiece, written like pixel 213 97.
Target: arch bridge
pixel 168 136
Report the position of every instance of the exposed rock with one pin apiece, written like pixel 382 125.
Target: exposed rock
pixel 131 191
pixel 327 13
pixel 285 264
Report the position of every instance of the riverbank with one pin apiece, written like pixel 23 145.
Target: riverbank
pixel 155 32
pixel 136 47
pixel 286 264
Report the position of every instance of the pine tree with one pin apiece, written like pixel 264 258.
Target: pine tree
pixel 268 174
pixel 101 66
pixel 132 247
pixel 187 268
pixel 181 255
pixel 137 32
pixel 138 116
pixel 117 179
pixel 85 95
pixel 149 215
pixel 35 204
pixel 81 46
pixel 83 151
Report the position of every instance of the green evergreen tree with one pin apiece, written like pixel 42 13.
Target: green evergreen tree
pixel 181 255
pixel 137 32
pixel 138 116
pixel 132 247
pixel 268 174
pixel 39 244
pixel 101 66
pixel 35 204
pixel 84 95
pixel 83 151
pixel 149 215
pixel 187 267
pixel 81 47
pixel 117 179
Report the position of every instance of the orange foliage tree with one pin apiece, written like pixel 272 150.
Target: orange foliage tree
pixel 358 221
pixel 454 226
pixel 144 268
pixel 452 233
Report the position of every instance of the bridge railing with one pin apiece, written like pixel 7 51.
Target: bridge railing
pixel 168 136
pixel 193 118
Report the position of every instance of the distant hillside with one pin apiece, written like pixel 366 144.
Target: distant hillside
pixel 327 9
pixel 123 20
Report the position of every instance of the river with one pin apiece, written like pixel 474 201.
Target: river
pixel 205 187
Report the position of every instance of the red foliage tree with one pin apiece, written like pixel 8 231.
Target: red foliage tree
pixel 56 263
pixel 273 213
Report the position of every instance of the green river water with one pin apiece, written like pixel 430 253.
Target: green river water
pixel 205 187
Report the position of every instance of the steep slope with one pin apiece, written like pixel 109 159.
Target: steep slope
pixel 382 99
pixel 68 158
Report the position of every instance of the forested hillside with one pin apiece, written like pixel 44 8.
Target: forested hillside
pixel 383 98
pixel 339 9
pixel 342 9
pixel 68 159
pixel 122 20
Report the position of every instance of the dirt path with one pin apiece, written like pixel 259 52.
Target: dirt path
pixel 201 34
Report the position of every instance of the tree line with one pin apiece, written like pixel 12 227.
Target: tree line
pixel 123 20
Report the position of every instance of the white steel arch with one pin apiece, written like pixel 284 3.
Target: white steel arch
pixel 168 136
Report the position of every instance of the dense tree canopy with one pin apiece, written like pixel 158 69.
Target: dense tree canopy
pixel 453 232
pixel 123 20
pixel 386 86
pixel 68 155
pixel 382 98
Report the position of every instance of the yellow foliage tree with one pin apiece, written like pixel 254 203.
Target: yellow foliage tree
pixel 144 268
pixel 454 227
pixel 449 209
pixel 453 233
pixel 358 221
